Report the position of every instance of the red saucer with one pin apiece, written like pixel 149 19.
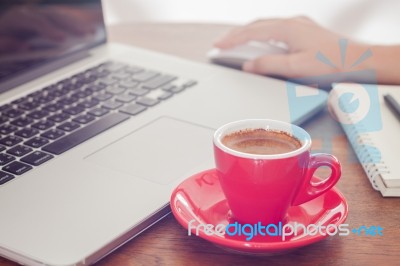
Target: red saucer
pixel 201 199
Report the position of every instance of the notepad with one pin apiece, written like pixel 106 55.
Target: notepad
pixel 372 129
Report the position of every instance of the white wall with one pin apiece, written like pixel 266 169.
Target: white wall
pixel 369 20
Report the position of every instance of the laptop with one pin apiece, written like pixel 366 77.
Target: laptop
pixel 94 136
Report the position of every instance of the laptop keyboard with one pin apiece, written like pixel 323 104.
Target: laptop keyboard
pixel 48 122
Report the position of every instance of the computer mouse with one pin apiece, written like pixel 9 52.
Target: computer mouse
pixel 236 56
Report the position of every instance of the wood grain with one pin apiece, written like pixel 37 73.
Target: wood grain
pixel 167 243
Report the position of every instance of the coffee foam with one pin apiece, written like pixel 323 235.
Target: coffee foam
pixel 261 141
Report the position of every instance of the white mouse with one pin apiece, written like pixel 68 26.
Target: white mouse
pixel 236 56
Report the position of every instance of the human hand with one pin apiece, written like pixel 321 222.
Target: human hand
pixel 304 38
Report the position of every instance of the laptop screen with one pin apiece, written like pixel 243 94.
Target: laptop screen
pixel 36 32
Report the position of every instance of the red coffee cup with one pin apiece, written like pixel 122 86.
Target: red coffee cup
pixel 261 187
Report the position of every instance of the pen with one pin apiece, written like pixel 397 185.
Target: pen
pixel 393 105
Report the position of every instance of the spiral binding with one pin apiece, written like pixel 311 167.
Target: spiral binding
pixel 360 142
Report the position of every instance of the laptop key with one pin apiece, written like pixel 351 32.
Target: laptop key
pixel 37 158
pixel 69 141
pixel 7 129
pixel 158 81
pixel 27 132
pixel 17 168
pixel 56 93
pixel 74 110
pixel 10 140
pixel 102 96
pixel 45 99
pixel 6 158
pixel 120 75
pixel 113 66
pixel 58 118
pixel 189 83
pixel 88 79
pixel 3 119
pixel 133 69
pixel 5 107
pixel 144 76
pixel 128 84
pixel 68 100
pixel 102 73
pixel 107 81
pixel 53 134
pixel 22 121
pixel 82 93
pixel 19 150
pixel 138 91
pixel 88 103
pixel 115 90
pixel 54 87
pixel 53 107
pixel 84 119
pixel 165 95
pixel 61 92
pixel 168 87
pixel 5 177
pixel 133 109
pixel 12 113
pixel 125 98
pixel 36 142
pixel 97 87
pixel 98 111
pixel 112 105
pixel 146 101
pixel 177 89
pixel 69 126
pixel 38 114
pixel 29 105
pixel 2 148
pixel 43 125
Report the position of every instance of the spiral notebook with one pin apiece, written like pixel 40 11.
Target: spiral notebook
pixel 372 129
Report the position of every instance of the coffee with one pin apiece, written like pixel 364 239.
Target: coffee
pixel 261 141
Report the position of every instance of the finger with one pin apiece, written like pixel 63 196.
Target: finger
pixel 277 65
pixel 277 29
pixel 223 41
pixel 284 30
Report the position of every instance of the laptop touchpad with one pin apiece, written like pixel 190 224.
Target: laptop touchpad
pixel 161 151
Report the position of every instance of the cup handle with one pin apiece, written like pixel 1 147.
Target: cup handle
pixel 310 190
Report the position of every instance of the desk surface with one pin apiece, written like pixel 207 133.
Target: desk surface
pixel 168 243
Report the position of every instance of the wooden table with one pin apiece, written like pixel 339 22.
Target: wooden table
pixel 167 243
